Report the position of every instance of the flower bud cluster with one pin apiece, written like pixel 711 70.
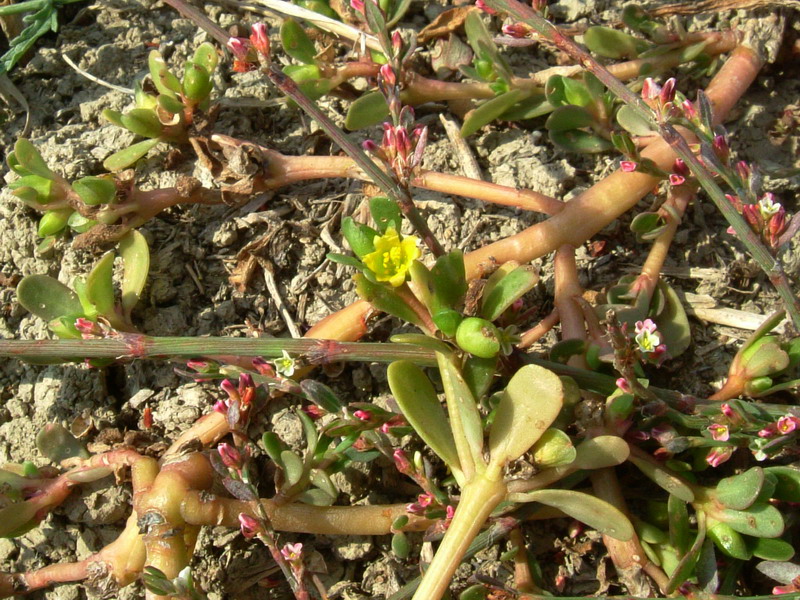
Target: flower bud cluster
pixel 649 343
pixel 767 218
pixel 400 150
pixel 249 53
pixel 236 407
pixel 661 98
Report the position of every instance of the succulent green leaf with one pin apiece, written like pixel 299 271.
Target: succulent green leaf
pixel 449 280
pixel 56 443
pixel 27 156
pixel 126 157
pixel 788 485
pixel 633 122
pixel 95 190
pixel 296 43
pixel 18 518
pixel 321 479
pixel 740 491
pixel 53 221
pixel 664 478
pixel 100 285
pixel 41 185
pixel 767 358
pixel 206 56
pixel 646 222
pixel 612 43
pixel 376 20
pixel 729 541
pixel 171 105
pixel 447 321
pixel 673 324
pixel 401 546
pixel 165 82
pixel 346 260
pixel 689 557
pixel 321 395
pixel 759 520
pixel 561 91
pixel 479 374
pixel 293 467
pixel 386 299
pixel 649 533
pixel 491 110
pixel 678 523
pixel 47 298
pixel 135 255
pixel 482 43
pixel 771 549
pixel 568 117
pixel 596 513
pixel 366 111
pixel 507 291
pixel 115 117
pixel 421 407
pixel 465 420
pixel 577 140
pixel 527 407
pixel 197 84
pixel 385 213
pixel 360 237
pixel 601 452
pixel 142 121
pixel 309 431
pixel 80 224
pixel 273 447
pixel 532 106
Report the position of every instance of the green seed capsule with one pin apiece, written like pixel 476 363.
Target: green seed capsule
pixel 479 337
pixel 196 82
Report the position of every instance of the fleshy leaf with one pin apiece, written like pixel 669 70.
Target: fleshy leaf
pixel 368 110
pixel 561 91
pixel 465 420
pixel 601 452
pixel 360 237
pixel 729 541
pixel 596 513
pixel 56 443
pixel 321 395
pixel 507 291
pixel 126 157
pixel 136 264
pixel 449 280
pixel 385 213
pixel 788 486
pixel 553 449
pixel 47 298
pixel 760 520
pixel 385 299
pixel 771 549
pixel 569 117
pixel 421 407
pixel 673 324
pixel 491 110
pixel 664 478
pixel 100 285
pixel 292 466
pixel 612 43
pixel 633 122
pixel 678 523
pixel 95 190
pixel 577 140
pixel 27 156
pixel 142 121
pixel 296 43
pixel 740 491
pixel 527 407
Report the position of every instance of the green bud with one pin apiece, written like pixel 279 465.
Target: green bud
pixel 484 69
pixel 53 221
pixel 141 99
pixel 479 337
pixel 553 449
pixel 196 82
pixel 95 190
pixel 447 321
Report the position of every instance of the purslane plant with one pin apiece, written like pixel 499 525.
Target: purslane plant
pixel 471 333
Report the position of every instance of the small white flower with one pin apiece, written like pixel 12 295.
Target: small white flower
pixel 768 207
pixel 285 365
pixel 646 336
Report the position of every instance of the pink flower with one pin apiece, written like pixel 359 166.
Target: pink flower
pixel 482 5
pixel 675 180
pixel 768 431
pixel 623 384
pixel 516 30
pixel 689 111
pixel 449 512
pixel 425 500
pixel 628 166
pixel 401 462
pixel 726 410
pixel 650 89
pixel 263 367
pixel 719 432
pixel 239 47
pixel 719 455
pixel 646 325
pixel 357 5
pixel 788 424
pixel 292 552
pixel 388 75
pixel 248 526
pixel 668 91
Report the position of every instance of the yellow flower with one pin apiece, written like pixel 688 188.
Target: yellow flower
pixel 392 257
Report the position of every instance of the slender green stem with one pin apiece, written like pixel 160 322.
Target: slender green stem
pixel 32 5
pixel 758 251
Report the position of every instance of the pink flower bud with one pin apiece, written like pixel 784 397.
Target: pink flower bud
pixel 239 47
pixel 668 91
pixel 721 148
pixel 263 367
pixel 777 223
pixel 397 41
pixel 221 407
pixel 449 512
pixel 719 455
pixel 401 462
pixel 743 169
pixel 689 111
pixel 387 74
pixel 650 89
pixel 679 168
pixel 726 410
pixel 482 5
pixel 628 166
pixel 248 526
pixel 357 5
pixel 260 39
pixel 516 30
pixel 769 431
pixel 230 456
pixel 228 387
pixel 675 180
pixel 313 411
pixel 737 203
pixel 425 500
pixel 362 415
pixel 623 384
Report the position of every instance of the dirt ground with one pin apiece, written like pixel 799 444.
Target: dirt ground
pixel 195 248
